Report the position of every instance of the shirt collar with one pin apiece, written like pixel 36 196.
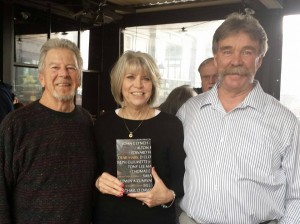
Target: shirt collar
pixel 254 99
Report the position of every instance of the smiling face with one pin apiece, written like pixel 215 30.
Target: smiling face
pixel 136 88
pixel 60 77
pixel 237 59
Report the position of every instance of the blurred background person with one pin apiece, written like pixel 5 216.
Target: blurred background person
pixel 176 98
pixel 208 75
pixel 171 105
pixel 17 103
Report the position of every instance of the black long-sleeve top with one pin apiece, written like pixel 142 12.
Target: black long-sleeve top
pixel 166 134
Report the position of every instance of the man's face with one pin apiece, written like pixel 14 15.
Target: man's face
pixel 209 75
pixel 60 76
pixel 237 60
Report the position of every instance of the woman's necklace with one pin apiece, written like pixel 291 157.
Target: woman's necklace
pixel 130 135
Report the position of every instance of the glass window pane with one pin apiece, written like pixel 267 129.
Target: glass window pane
pixel 177 48
pixel 290 78
pixel 28 48
pixel 84 48
pixel 70 35
pixel 27 85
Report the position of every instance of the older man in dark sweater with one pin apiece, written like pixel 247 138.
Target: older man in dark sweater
pixel 47 154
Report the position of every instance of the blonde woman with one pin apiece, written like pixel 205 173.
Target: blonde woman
pixel 134 84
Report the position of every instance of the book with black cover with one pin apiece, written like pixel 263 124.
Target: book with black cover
pixel 134 164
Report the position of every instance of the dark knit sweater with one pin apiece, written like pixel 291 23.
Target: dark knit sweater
pixel 166 134
pixel 47 166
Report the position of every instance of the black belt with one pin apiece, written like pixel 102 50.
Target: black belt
pixel 266 222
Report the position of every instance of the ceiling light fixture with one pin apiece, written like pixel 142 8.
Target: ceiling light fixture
pixel 168 2
pixel 99 21
pixel 25 15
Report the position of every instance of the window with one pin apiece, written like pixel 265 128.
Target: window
pixel 290 78
pixel 26 84
pixel 177 48
pixel 27 87
pixel 28 48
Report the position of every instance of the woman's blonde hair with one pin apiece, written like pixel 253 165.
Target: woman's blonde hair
pixel 134 60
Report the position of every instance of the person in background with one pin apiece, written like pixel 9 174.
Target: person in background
pixel 6 100
pixel 17 103
pixel 47 148
pixel 208 74
pixel 134 84
pixel 176 98
pixel 242 145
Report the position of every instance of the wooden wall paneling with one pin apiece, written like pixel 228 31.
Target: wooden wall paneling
pixel 104 52
pixel 269 74
pixel 90 89
pixel 7 42
pixel 1 39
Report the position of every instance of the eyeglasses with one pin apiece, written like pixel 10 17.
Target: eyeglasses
pixel 209 77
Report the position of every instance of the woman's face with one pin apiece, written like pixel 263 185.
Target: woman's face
pixel 136 88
